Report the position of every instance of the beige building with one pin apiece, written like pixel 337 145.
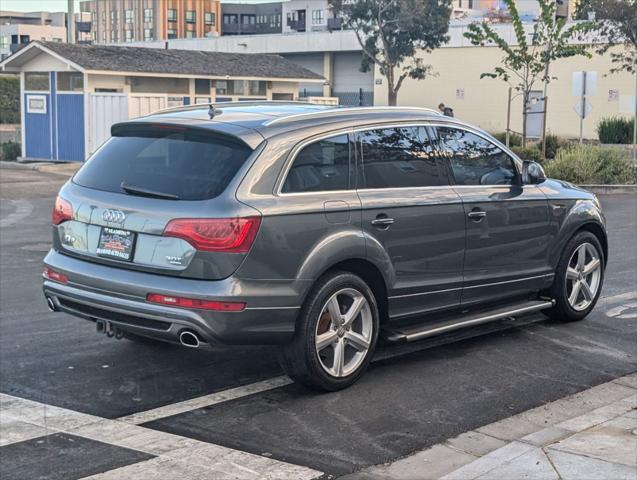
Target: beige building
pixel 114 21
pixel 483 102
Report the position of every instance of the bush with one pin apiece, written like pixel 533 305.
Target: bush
pixel 515 140
pixel 589 164
pixel 553 143
pixel 10 151
pixel 529 153
pixel 9 99
pixel 615 130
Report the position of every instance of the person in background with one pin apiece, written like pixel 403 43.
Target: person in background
pixel 447 111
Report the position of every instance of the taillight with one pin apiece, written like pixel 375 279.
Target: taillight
pixel 231 235
pixel 50 274
pixel 62 211
pixel 195 303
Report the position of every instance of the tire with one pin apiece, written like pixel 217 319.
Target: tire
pixel 569 272
pixel 301 358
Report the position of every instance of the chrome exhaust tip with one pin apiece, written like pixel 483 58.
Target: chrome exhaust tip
pixel 51 304
pixel 189 339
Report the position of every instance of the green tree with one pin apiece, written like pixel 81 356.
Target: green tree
pixel 391 32
pixel 527 61
pixel 615 23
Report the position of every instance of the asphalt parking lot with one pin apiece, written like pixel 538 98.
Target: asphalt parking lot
pixel 412 397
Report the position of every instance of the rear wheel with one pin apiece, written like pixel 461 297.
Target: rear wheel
pixel 336 334
pixel 579 278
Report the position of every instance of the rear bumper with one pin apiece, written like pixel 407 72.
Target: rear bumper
pixel 98 292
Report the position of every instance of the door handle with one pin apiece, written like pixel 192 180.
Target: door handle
pixel 382 221
pixel 477 215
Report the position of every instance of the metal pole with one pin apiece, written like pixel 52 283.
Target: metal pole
pixel 546 102
pixel 70 22
pixel 508 131
pixel 583 113
pixel 635 113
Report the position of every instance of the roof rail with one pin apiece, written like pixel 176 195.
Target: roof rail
pixel 340 110
pixel 196 106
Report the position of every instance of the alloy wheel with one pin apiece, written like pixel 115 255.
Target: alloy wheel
pixel 583 276
pixel 344 332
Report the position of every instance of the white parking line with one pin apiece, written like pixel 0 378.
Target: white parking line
pixel 183 453
pixel 23 209
pixel 205 400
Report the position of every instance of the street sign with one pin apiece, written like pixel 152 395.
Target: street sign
pixel 577 83
pixel 584 111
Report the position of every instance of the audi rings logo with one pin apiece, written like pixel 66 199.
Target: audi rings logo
pixel 113 216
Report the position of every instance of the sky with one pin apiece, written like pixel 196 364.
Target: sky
pixel 53 5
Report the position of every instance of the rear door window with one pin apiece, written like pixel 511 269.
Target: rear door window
pixel 397 158
pixel 321 166
pixel 179 163
pixel 474 160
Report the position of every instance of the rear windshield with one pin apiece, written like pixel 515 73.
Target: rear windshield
pixel 172 163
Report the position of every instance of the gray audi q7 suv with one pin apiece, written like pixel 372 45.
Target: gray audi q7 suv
pixel 320 229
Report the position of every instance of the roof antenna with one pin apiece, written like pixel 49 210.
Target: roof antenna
pixel 211 111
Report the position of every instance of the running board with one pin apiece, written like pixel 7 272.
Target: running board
pixel 418 332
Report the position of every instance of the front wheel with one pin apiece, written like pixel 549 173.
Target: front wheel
pixel 336 334
pixel 579 278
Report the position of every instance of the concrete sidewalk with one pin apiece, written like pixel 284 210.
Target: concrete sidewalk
pixel 587 436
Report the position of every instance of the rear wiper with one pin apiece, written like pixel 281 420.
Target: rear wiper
pixel 145 192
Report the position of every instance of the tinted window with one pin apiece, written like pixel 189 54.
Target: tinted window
pixel 189 164
pixel 321 166
pixel 475 160
pixel 398 157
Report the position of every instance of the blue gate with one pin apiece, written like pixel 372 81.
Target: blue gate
pixel 54 124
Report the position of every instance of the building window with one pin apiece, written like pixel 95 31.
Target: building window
pixel 172 33
pixel 209 18
pixel 190 34
pixel 317 17
pixel 202 86
pixel 241 87
pixel 129 35
pixel 128 16
pixel 148 15
pixel 36 81
pixel 70 82
pixel 148 34
pixel 114 36
pixel 94 36
pixel 256 87
pixel 190 16
pixel 103 35
pixel 292 16
pixel 248 19
pixel 114 17
pixel 230 19
pixel 4 42
pixel 172 14
pixel 275 20
pixel 93 18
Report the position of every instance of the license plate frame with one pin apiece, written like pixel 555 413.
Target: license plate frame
pixel 116 243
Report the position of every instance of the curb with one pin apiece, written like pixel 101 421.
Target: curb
pixel 56 168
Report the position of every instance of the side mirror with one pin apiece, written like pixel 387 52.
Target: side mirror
pixel 532 173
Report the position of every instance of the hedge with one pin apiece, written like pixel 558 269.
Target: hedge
pixel 9 99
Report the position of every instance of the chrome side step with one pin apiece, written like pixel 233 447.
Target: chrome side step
pixel 418 332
